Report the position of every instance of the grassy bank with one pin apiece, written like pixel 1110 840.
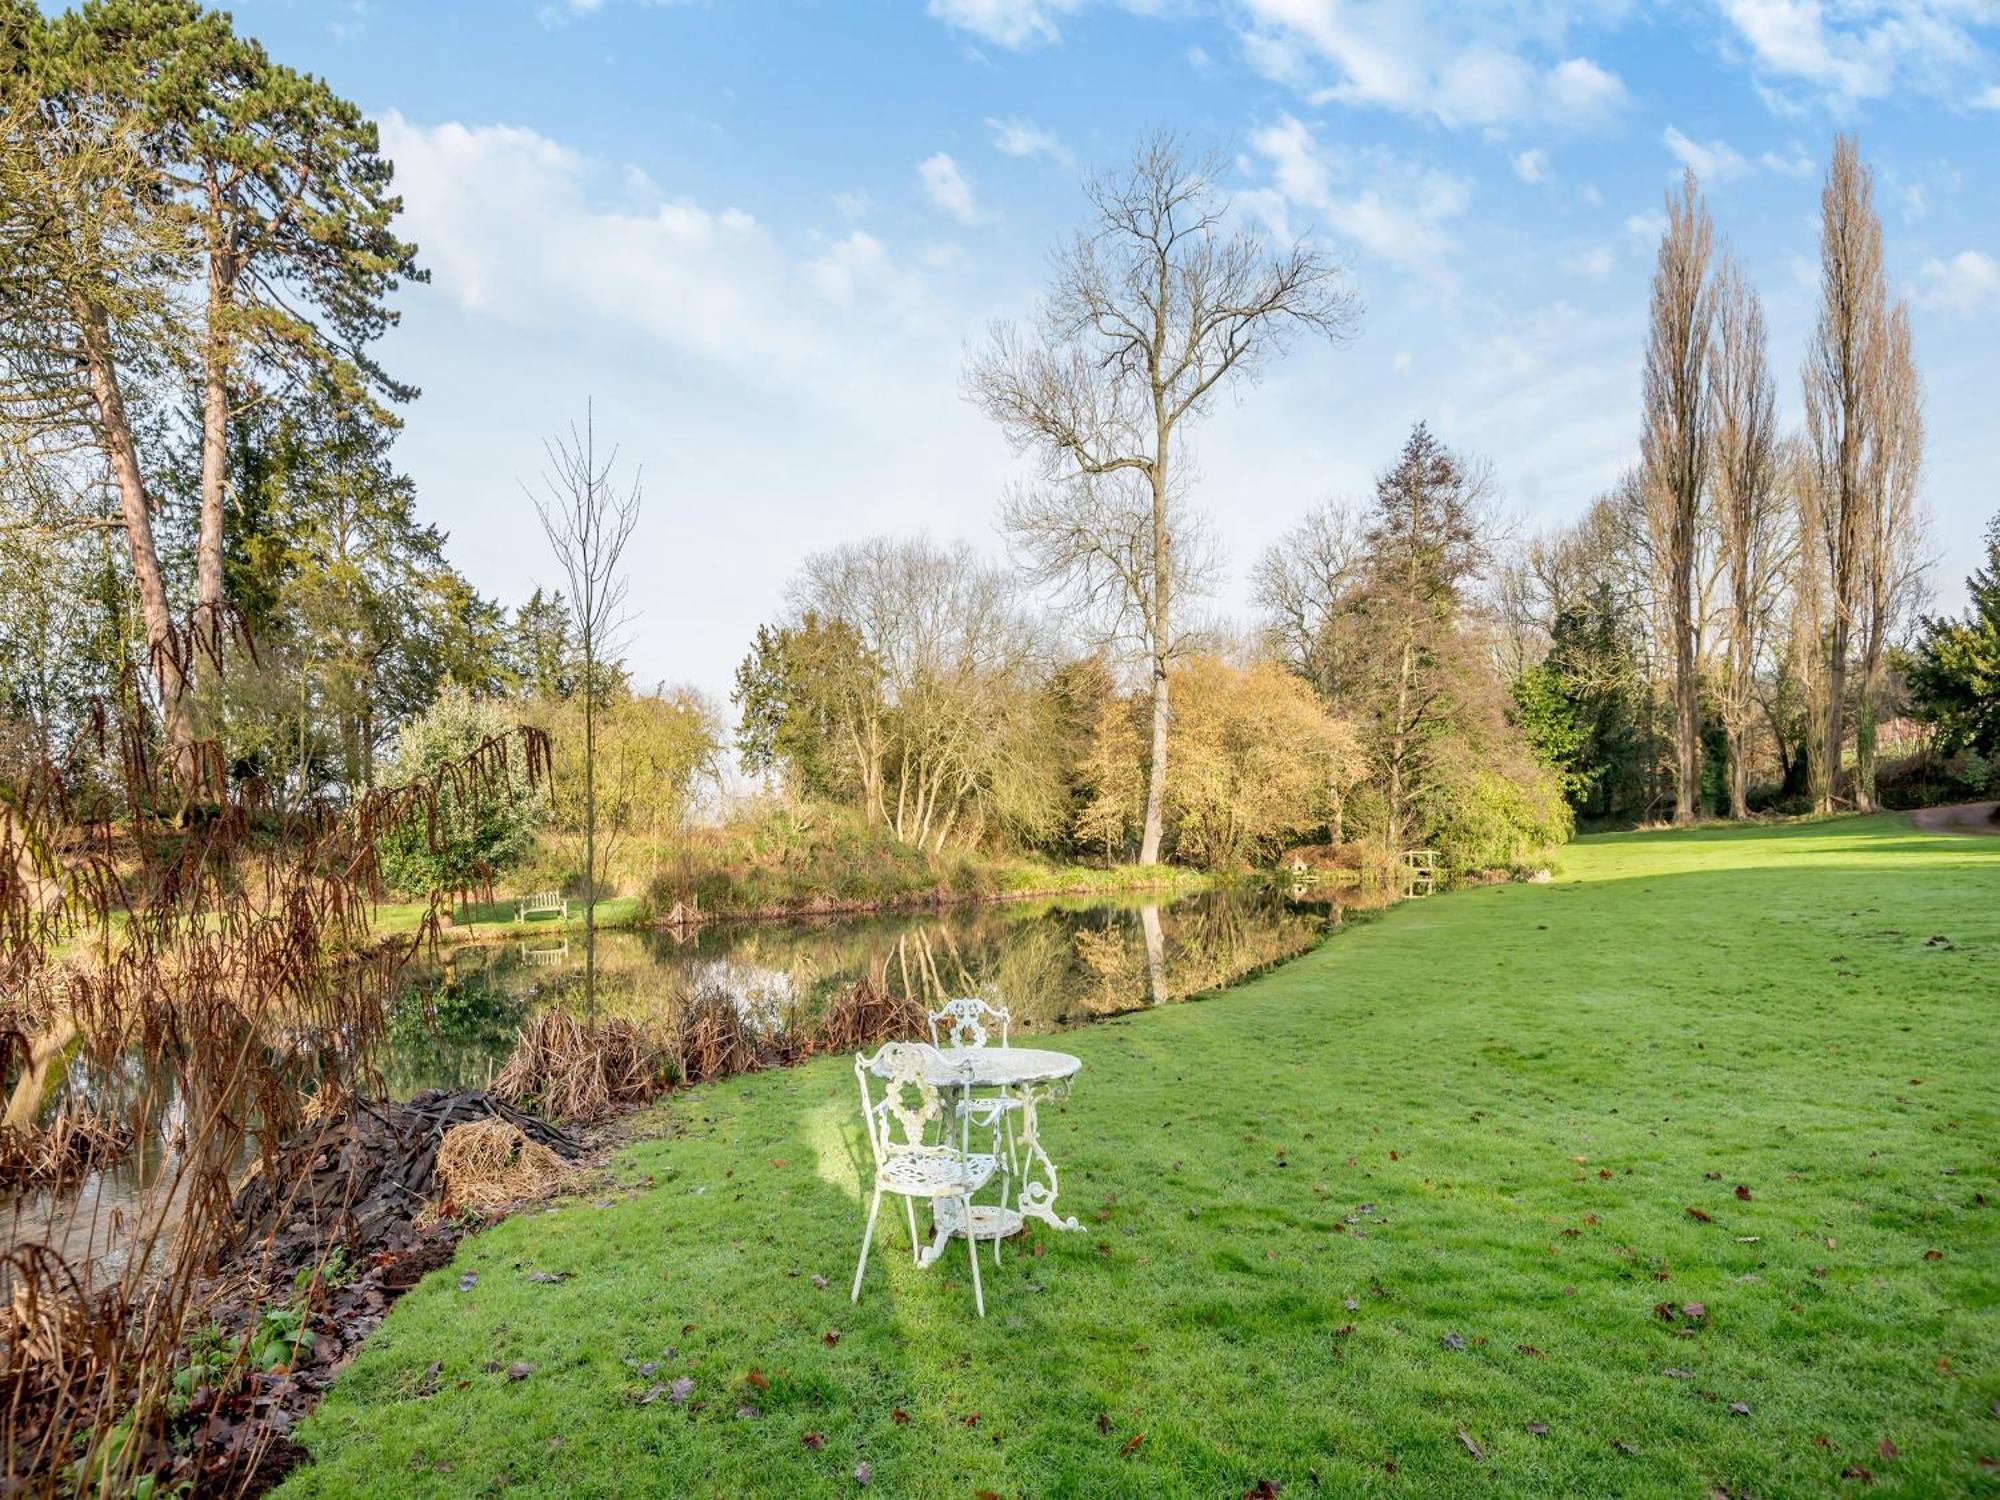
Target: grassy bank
pixel 779 865
pixel 1676 1174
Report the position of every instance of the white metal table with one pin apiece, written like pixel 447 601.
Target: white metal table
pixel 1031 1075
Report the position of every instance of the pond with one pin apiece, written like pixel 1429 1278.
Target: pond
pixel 1051 963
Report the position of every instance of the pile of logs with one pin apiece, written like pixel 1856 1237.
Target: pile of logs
pixel 354 1178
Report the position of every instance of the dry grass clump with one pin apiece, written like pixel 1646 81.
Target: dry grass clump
pixel 578 1069
pixel 709 1039
pixel 488 1164
pixel 72 1145
pixel 867 1014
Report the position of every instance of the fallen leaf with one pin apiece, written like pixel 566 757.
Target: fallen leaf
pixel 1739 1408
pixel 1453 1341
pixel 1887 1449
pixel 748 1412
pixel 1528 1349
pixel 830 1337
pixel 1470 1446
pixel 520 1370
pixel 814 1440
pixel 1537 1429
pixel 468 1281
pixel 1855 1471
pixel 1132 1444
pixel 1694 1312
pixel 1263 1489
pixel 863 1473
pixel 1934 1255
pixel 1743 1192
pixel 1630 1450
pixel 1352 1304
pixel 819 1282
pixel 1678 1374
pixel 681 1390
pixel 971 1421
pixel 758 1378
pixel 1698 1216
pixel 1104 1424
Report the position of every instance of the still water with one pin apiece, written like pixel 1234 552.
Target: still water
pixel 1050 963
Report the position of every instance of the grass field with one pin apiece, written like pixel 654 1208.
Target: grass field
pixel 1418 1214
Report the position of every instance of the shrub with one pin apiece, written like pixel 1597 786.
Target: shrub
pixel 480 831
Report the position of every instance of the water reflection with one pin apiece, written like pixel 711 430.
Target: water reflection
pixel 1051 963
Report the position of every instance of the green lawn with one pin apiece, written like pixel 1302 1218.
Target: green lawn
pixel 1515 1116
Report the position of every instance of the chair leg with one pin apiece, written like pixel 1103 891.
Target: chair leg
pixel 866 1235
pixel 916 1250
pixel 1006 1181
pixel 972 1244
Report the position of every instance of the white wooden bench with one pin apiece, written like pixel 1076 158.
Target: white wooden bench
pixel 542 904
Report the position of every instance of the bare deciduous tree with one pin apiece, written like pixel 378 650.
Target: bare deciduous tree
pixel 1894 566
pixel 1151 309
pixel 1744 436
pixel 948 653
pixel 588 519
pixel 1842 381
pixel 1300 584
pixel 1674 447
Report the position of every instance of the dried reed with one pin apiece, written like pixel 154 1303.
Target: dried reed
pixel 489 1164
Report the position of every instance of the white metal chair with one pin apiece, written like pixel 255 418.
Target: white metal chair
pixel 965 1023
pixel 911 1167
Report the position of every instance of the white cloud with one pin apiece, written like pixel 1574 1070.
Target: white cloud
pixel 847 265
pixel 521 229
pixel 1392 207
pixel 1967 283
pixel 1797 164
pixel 1456 64
pixel 1014 24
pixel 1015 136
pixel 1987 98
pixel 1198 59
pixel 1579 88
pixel 1646 226
pixel 1853 50
pixel 1712 161
pixel 947 188
pixel 1532 165
pixel 1595 263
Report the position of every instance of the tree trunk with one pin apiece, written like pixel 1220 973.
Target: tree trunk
pixel 1739 775
pixel 163 645
pixel 214 440
pixel 1156 772
pixel 589 823
pixel 1687 719
pixel 1836 702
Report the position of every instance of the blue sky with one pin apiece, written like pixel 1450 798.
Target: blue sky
pixel 761 234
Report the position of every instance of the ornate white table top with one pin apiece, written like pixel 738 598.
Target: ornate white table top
pixel 1000 1067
